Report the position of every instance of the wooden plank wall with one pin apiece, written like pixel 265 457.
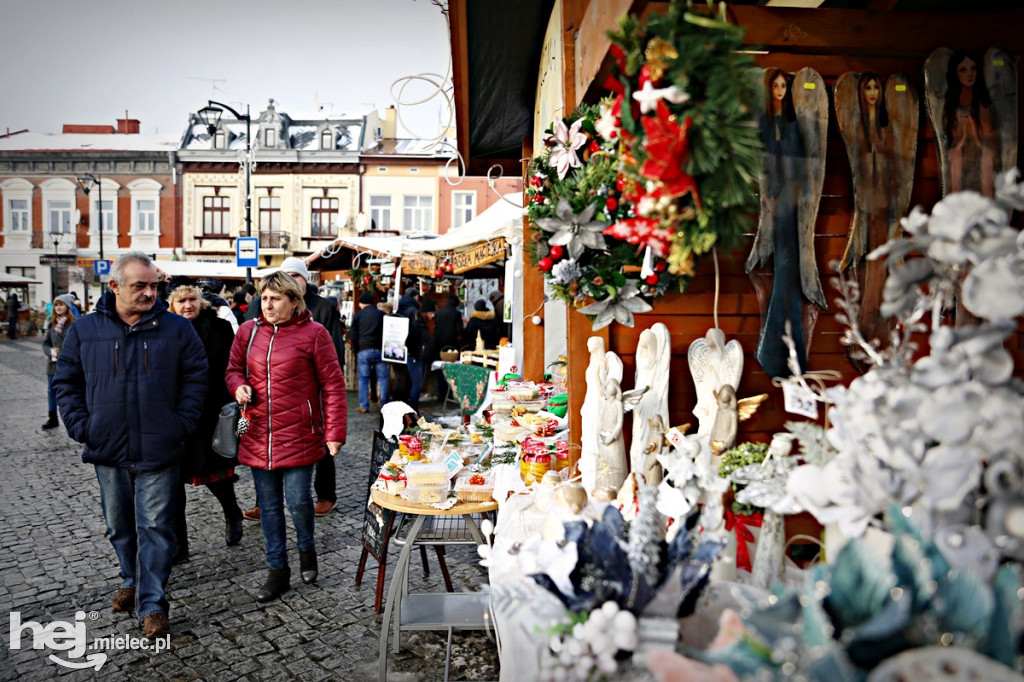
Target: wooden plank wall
pixel 832 42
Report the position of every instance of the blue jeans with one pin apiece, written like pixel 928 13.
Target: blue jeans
pixel 369 361
pixel 139 510
pixel 51 397
pixel 272 489
pixel 417 370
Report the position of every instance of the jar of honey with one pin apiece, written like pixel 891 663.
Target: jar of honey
pixel 532 467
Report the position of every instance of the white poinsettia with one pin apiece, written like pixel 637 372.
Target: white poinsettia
pixel 575 231
pixel 567 140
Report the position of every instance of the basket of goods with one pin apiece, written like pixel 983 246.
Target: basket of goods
pixel 449 354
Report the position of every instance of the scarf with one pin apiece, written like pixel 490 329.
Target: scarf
pixel 58 325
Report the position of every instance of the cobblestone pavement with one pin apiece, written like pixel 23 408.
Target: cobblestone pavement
pixel 56 562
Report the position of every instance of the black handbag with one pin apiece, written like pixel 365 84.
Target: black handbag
pixel 232 421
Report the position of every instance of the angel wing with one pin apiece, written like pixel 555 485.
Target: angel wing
pixel 746 407
pixel 935 87
pixel 810 99
pixel 1001 79
pixel 904 109
pixel 764 239
pixel 848 116
pixel 631 398
pixel 713 363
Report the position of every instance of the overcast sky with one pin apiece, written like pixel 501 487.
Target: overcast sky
pixel 88 61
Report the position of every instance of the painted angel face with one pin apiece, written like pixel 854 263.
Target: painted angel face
pixel 967 72
pixel 872 91
pixel 779 88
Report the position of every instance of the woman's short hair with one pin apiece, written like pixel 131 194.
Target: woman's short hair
pixel 286 285
pixel 184 291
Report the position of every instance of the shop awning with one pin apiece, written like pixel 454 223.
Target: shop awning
pixel 501 219
pixel 7 280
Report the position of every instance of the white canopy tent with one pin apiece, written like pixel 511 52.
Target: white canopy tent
pixel 501 219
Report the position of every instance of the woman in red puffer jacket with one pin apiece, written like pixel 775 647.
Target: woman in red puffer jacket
pixel 291 383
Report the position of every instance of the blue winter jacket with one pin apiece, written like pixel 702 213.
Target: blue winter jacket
pixel 131 395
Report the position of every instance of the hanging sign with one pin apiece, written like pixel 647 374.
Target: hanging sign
pixel 488 252
pixel 419 264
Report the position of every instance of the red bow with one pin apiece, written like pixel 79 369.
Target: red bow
pixel 741 524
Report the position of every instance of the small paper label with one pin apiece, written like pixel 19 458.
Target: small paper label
pixel 810 86
pixel 453 463
pixel 901 88
pixel 676 437
pixel 799 400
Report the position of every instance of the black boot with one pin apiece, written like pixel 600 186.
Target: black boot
pixel 308 565
pixel 224 491
pixel 278 582
pixel 51 422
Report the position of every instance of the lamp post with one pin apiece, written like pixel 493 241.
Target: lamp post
pixel 87 182
pixel 210 116
pixel 56 267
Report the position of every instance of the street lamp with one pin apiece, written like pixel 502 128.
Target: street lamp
pixel 210 116
pixel 87 182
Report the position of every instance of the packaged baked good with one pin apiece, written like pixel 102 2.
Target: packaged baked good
pixel 426 494
pixel 474 488
pixel 426 473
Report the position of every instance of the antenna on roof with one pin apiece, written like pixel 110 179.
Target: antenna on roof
pixel 213 84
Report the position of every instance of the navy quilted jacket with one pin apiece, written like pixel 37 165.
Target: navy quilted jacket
pixel 131 395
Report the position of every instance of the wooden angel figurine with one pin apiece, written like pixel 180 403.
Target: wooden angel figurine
pixel 653 353
pixel 972 106
pixel 793 129
pixel 879 127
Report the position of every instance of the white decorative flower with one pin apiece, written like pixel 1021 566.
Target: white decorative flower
pixel 567 141
pixel 566 271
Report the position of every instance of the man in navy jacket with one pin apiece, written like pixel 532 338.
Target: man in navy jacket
pixel 130 384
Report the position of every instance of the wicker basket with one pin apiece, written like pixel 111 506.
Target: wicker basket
pixel 449 354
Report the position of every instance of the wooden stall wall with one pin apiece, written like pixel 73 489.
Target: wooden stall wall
pixel 832 42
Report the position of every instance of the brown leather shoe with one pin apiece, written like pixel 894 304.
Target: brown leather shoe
pixel 156 625
pixel 124 600
pixel 252 514
pixel 362 409
pixel 323 507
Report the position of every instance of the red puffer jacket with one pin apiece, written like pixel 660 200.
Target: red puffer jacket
pixel 299 398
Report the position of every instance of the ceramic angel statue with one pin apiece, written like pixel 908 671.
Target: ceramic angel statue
pixel 653 353
pixel 603 451
pixel 730 413
pixel 713 364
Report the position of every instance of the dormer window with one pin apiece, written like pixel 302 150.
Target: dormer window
pixel 270 137
pixel 220 140
pixel 326 139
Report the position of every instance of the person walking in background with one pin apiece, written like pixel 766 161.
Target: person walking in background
pixel 431 353
pixel 53 340
pixel 13 306
pixel 497 299
pixel 367 335
pixel 482 322
pixel 448 333
pixel 130 384
pixel 239 304
pixel 212 290
pixel 201 464
pixel 290 379
pixel 325 313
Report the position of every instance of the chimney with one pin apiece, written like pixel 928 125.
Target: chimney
pixel 128 126
pixel 390 123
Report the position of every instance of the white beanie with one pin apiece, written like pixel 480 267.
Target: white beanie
pixel 295 266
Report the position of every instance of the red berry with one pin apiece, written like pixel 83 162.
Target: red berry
pixel 545 264
pixel 537 198
pixel 660 266
pixel 439 273
pixel 536 181
pixel 651 279
pixel 620 182
pixel 594 147
pixel 612 203
pixel 556 252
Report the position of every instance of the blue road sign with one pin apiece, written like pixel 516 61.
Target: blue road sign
pixel 247 252
pixel 101 267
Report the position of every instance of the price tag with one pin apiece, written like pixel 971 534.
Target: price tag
pixel 676 437
pixel 799 400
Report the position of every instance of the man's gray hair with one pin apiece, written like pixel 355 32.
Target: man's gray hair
pixel 117 269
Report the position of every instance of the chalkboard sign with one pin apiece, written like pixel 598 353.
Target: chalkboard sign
pixel 376 530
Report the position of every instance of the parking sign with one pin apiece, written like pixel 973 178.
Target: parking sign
pixel 101 267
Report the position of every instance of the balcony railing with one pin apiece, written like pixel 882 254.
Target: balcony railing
pixel 273 239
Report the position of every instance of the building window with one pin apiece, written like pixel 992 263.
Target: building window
pixel 145 216
pixel 324 217
pixel 107 209
pixel 327 139
pixel 270 137
pixel 216 214
pixel 270 214
pixel 418 213
pixel 463 208
pixel 58 215
pixel 19 215
pixel 380 212
pixel 220 140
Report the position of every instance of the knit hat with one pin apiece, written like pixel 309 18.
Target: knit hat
pixel 211 285
pixel 66 299
pixel 481 304
pixel 366 297
pixel 428 306
pixel 295 266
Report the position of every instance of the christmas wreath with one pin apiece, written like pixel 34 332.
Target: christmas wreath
pixel 629 192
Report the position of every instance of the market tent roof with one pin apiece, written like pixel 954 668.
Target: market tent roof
pixel 501 219
pixel 7 280
pixel 199 269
